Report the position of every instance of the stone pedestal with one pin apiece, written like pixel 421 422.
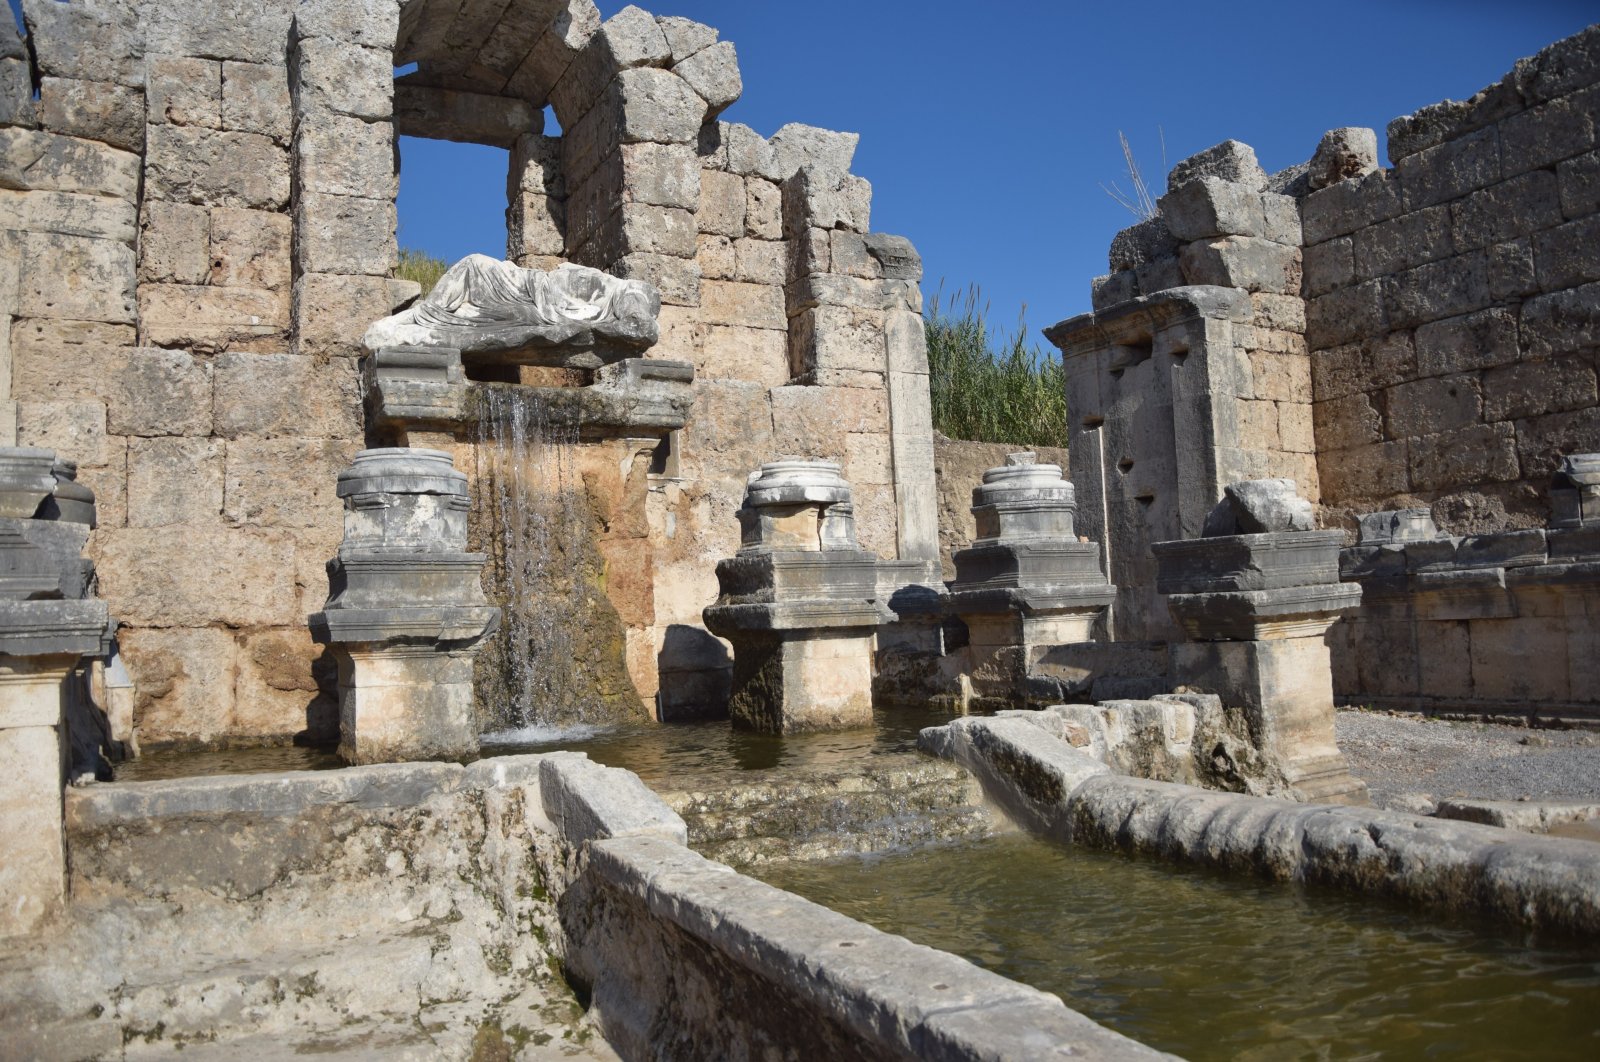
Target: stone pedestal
pixel 800 604
pixel 1026 583
pixel 1256 609
pixel 46 628
pixel 405 612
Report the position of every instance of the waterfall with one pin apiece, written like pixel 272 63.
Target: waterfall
pixel 558 658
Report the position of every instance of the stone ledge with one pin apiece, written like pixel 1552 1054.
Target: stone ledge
pixel 1542 883
pixel 893 998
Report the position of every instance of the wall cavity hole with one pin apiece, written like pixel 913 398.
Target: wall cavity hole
pixel 941 987
pixel 1125 465
pixel 1093 420
pixel 1145 499
pixel 1181 354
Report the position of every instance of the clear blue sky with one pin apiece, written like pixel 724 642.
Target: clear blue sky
pixel 987 129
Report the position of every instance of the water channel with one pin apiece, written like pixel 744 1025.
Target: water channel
pixel 1212 967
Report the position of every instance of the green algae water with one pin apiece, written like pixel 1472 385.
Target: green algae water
pixel 1215 968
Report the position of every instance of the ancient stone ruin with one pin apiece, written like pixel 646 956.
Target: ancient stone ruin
pixel 659 479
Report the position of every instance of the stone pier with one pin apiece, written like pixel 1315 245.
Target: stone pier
pixel 1026 582
pixel 405 613
pixel 799 603
pixel 1256 596
pixel 47 625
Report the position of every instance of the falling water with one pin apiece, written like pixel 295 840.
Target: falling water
pixel 557 658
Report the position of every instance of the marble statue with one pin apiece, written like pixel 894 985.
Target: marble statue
pixel 482 306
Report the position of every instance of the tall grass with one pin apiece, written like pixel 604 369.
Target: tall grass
pixel 420 266
pixel 988 386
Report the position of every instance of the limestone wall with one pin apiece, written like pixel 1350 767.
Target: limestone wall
pixel 198 216
pixel 1453 309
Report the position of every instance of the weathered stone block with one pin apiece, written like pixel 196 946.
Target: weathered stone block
pixel 1342 208
pixel 1145 242
pixel 733 353
pixel 1345 422
pixel 161 392
pixel 1511 273
pixel 835 337
pixel 95 110
pixel 1437 404
pixel 685 36
pixel 255 99
pixel 847 251
pixel 285 482
pixel 1343 154
pixel 249 249
pixel 184 682
pixel 76 429
pixel 815 420
pixel 535 225
pixel 93 42
pixel 1445 288
pixel 68 214
pixel 30 159
pixel 342 77
pixel 1543 441
pixel 344 234
pixel 341 155
pixel 716 257
pixel 797 145
pixel 174 481
pixel 1113 289
pixel 286 684
pixel 1230 160
pixel 233 29
pixel 174 243
pixel 713 73
pixel 1531 388
pixel 1243 262
pixel 1375 471
pixel 1567 256
pixel 722 204
pixel 286 395
pixel 1578 183
pixel 1408 240
pixel 66 359
pixel 1548 133
pixel 184 91
pixel 332 312
pixel 763 213
pixel 1210 206
pixel 661 174
pixel 188 164
pixel 211 318
pixel 657 106
pixel 76 278
pixel 16 93
pixel 1561 321
pixel 1518 207
pixel 749 305
pixel 1472 341
pixel 1451 169
pixel 238 576
pixel 678 279
pixel 1481 453
pixel 760 261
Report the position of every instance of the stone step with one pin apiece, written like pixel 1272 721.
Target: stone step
pixel 955 824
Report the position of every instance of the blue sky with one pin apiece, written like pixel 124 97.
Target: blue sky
pixel 987 129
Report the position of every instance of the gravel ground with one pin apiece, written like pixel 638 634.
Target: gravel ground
pixel 1410 762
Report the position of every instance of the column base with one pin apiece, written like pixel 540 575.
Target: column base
pixel 406 702
pixel 1285 688
pixel 802 681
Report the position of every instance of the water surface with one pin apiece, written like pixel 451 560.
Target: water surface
pixel 1215 968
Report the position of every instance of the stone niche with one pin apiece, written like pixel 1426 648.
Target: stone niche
pixel 799 603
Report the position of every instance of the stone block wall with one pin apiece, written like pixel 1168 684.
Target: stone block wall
pixel 1453 301
pixel 198 222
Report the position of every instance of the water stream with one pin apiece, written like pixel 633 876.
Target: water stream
pixel 557 659
pixel 1211 967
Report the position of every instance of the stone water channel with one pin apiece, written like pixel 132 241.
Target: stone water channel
pixel 1185 959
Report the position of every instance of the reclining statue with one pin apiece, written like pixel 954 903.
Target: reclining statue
pixel 485 306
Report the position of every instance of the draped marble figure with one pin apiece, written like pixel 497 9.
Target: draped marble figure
pixel 482 305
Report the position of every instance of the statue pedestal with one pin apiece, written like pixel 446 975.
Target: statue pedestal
pixel 800 605
pixel 405 611
pixel 1257 609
